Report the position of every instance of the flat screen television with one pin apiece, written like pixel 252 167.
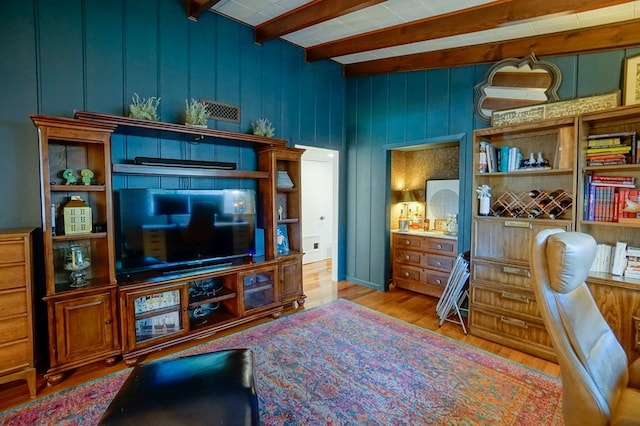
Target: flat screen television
pixel 163 231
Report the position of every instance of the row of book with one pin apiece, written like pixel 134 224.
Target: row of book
pixel 611 199
pixel 612 149
pixel 506 159
pixel 619 260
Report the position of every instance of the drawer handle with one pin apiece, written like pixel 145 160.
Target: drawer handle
pixel 407 257
pixel 407 242
pixel 517 224
pixel 513 321
pixel 438 263
pixel 516 271
pixel 439 246
pixel 406 275
pixel 515 296
pixel 438 281
pixel 108 321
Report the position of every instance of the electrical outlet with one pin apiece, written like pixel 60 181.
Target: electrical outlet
pixel 636 333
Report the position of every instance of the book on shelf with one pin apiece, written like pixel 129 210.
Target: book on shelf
pixel 602 261
pixel 613 179
pixel 624 143
pixel 609 149
pixel 634 252
pixel 619 262
pixel 603 142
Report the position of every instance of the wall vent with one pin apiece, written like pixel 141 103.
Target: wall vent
pixel 220 111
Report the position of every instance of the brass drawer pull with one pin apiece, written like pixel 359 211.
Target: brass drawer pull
pixel 517 224
pixel 516 271
pixel 515 296
pixel 513 321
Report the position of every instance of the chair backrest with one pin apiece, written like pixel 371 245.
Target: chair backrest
pixel 593 365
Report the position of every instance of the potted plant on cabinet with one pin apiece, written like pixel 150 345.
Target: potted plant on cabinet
pixel 195 113
pixel 144 109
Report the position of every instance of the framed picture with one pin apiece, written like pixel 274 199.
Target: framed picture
pixel 631 90
pixel 441 196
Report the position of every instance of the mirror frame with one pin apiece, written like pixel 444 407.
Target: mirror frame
pixel 534 64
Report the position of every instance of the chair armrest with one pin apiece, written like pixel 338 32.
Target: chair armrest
pixel 634 374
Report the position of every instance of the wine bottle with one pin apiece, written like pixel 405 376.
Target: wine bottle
pixel 534 213
pixel 534 193
pixel 498 211
pixel 556 193
pixel 566 203
pixel 555 212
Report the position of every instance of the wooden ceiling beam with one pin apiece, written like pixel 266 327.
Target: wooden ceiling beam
pixel 603 37
pixel 478 18
pixel 307 15
pixel 196 7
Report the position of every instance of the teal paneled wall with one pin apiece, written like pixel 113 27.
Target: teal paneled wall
pixel 422 107
pixel 62 55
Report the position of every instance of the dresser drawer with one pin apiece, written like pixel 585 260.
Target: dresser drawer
pixel 407 272
pixel 442 246
pixel 13 302
pixel 508 240
pixel 12 276
pixel 441 263
pixel 516 277
pixel 13 328
pixel 505 300
pixel 530 336
pixel 14 355
pixel 408 257
pixel 12 252
pixel 412 242
pixel 437 278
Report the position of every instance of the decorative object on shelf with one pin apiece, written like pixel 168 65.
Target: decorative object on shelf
pixel 284 181
pixel 533 204
pixel 441 196
pixel 144 109
pixel 451 228
pixel 631 82
pixel 282 239
pixel 280 210
pixel 263 127
pixel 77 217
pixel 70 178
pixel 77 260
pixel 87 176
pixel 195 113
pixel 555 109
pixel 484 197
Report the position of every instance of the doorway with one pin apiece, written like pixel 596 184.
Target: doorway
pixel 320 206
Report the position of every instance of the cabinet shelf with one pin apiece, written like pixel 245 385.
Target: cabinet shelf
pixel 226 294
pixel 258 288
pixel 528 173
pixel 142 170
pixel 156 312
pixel 177 128
pixel 613 168
pixel 610 224
pixel 290 220
pixel 77 188
pixel 74 237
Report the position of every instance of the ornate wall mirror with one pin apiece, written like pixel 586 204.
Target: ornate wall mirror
pixel 514 83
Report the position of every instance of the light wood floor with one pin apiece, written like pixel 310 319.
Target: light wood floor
pixel 402 304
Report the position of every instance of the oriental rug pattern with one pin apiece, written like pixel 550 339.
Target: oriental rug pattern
pixel 343 364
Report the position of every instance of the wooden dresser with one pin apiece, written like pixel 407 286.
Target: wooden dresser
pixel 16 308
pixel 422 261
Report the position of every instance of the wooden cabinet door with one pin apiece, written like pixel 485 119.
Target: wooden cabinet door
pixel 291 280
pixel 84 327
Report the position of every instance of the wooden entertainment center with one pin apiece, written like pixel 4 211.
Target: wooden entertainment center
pixel 97 318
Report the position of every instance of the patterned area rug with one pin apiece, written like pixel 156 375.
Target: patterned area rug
pixel 343 364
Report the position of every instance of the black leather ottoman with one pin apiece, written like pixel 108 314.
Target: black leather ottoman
pixel 216 388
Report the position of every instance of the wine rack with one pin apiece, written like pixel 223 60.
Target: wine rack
pixel 532 204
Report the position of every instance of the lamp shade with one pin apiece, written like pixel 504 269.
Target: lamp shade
pixel 407 196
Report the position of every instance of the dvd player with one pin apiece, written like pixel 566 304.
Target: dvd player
pixel 149 161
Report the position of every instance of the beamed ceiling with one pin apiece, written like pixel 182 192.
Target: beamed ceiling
pixel 384 36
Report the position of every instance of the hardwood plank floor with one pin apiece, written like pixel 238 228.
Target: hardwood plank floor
pixel 402 304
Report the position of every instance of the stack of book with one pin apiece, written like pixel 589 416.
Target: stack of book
pixel 632 269
pixel 606 197
pixel 612 149
pixel 603 259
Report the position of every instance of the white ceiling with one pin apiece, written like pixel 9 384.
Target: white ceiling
pixel 394 12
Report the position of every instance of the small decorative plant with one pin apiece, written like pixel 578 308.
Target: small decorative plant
pixel 263 127
pixel 144 109
pixel 195 113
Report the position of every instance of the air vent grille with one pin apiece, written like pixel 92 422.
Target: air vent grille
pixel 220 111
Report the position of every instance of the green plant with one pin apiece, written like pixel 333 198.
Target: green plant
pixel 262 127
pixel 144 109
pixel 195 113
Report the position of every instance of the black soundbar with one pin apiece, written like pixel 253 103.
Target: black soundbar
pixel 149 161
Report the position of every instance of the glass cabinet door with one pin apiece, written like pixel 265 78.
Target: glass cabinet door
pixel 157 314
pixel 259 289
